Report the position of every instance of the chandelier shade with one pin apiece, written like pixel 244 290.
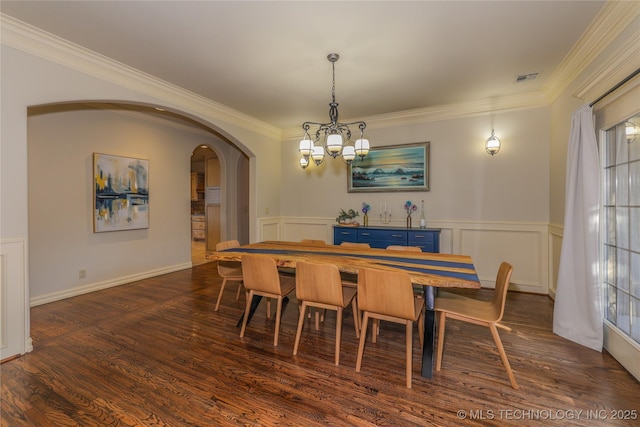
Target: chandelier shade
pixel 492 144
pixel 332 137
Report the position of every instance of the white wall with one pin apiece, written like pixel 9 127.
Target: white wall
pixel 61 237
pixel 71 75
pixel 492 208
pixel 465 182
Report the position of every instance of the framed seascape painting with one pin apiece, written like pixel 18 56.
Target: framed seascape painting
pixel 392 168
pixel 121 193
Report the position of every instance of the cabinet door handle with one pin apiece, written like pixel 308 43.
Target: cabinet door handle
pixel 418 236
pixel 366 234
pixel 396 235
pixel 345 233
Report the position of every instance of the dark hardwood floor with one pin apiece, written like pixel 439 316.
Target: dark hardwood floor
pixel 154 353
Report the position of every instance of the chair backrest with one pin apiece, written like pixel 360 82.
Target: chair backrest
pixel 500 292
pixel 228 268
pixel 313 242
pixel 386 292
pixel 227 244
pixel 260 273
pixel 404 248
pixel 355 245
pixel 318 283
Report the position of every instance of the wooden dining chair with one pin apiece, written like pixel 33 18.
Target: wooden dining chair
pixel 230 271
pixel 313 242
pixel 349 279
pixel 355 245
pixel 319 286
pixel 388 295
pixel 485 313
pixel 401 248
pixel 261 278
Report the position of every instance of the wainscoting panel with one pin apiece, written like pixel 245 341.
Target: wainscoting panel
pixel 14 302
pixel 521 248
pixel 269 229
pixel 309 228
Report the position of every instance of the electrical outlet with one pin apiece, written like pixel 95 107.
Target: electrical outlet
pixel 82 274
pixel 266 211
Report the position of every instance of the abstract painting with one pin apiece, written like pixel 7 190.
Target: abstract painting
pixel 121 193
pixel 392 168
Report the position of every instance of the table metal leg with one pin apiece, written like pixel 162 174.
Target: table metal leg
pixel 254 306
pixel 428 347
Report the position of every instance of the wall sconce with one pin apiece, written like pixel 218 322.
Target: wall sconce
pixel 492 144
pixel 632 131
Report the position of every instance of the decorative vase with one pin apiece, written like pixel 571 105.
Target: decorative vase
pixel 408 221
pixel 423 220
pixel 365 220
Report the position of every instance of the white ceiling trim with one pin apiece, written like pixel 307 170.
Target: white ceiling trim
pixel 614 18
pixel 623 62
pixel 33 40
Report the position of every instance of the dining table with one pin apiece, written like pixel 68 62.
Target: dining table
pixel 426 269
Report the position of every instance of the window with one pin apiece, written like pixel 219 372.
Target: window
pixel 621 226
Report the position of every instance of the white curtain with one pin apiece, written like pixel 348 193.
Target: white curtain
pixel 577 313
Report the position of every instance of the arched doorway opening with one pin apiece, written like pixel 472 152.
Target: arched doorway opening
pixel 205 202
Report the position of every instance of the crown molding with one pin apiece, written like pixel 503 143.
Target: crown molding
pixel 612 20
pixel 624 61
pixel 33 40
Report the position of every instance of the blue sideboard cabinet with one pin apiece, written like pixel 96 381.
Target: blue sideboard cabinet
pixel 380 237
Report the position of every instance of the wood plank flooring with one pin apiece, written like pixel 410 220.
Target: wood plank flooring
pixel 154 353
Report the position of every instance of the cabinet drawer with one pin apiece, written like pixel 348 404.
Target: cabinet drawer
pixel 197 225
pixel 421 236
pixel 344 234
pixel 428 241
pixel 197 234
pixel 393 236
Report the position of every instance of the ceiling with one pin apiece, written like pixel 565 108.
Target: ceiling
pixel 267 59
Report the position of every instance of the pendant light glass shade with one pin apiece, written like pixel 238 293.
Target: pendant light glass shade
pixel 318 154
pixel 362 147
pixel 492 145
pixel 304 162
pixel 334 144
pixel 306 146
pixel 348 153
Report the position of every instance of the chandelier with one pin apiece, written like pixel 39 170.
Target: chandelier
pixel 334 137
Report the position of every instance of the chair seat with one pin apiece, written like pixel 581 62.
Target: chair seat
pixel 462 306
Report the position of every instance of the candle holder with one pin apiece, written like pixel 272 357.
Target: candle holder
pixel 386 219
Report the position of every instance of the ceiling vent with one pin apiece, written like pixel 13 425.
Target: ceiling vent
pixel 526 77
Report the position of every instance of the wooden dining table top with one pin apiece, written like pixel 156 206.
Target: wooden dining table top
pixel 424 268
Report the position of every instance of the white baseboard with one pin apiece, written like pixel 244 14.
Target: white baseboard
pixel 92 287
pixel 622 348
